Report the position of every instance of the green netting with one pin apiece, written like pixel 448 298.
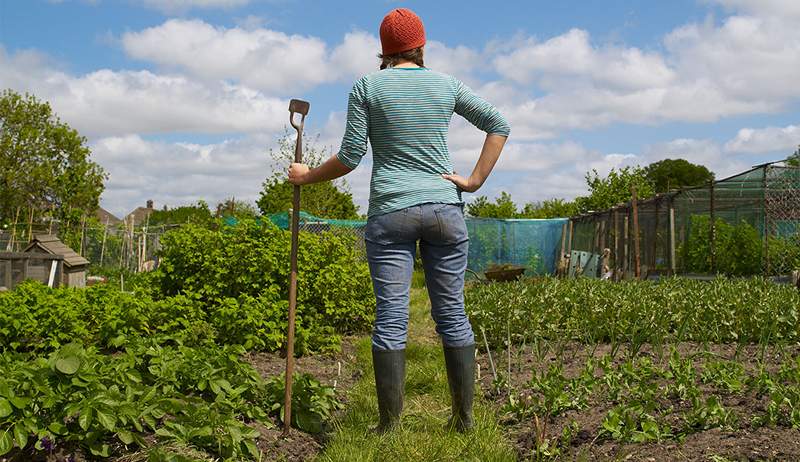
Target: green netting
pixel 531 243
pixel 281 220
pixel 759 207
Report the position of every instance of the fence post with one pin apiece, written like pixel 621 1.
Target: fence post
pixel 672 263
pixel 103 246
pixel 30 225
pixel 559 261
pixel 712 229
pixel 636 249
pixel 626 241
pixel 616 240
pixel 571 231
pixel 765 207
pixel 83 234
pixel 10 246
pixel 653 257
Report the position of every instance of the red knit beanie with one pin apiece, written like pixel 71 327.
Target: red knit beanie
pixel 401 30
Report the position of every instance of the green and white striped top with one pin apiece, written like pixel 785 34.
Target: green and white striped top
pixel 405 114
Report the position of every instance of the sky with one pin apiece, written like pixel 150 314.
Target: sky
pixel 181 100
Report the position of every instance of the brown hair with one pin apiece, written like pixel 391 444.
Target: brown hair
pixel 415 56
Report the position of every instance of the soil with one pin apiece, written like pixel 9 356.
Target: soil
pixel 747 443
pixel 338 370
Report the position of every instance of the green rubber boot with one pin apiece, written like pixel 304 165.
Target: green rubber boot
pixel 460 362
pixel 390 377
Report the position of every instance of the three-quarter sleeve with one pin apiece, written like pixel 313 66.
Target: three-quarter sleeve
pixel 354 143
pixel 479 112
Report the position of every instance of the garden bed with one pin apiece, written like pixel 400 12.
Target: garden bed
pixel 676 370
pixel 581 415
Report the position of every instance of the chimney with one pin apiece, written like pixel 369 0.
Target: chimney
pixel 150 204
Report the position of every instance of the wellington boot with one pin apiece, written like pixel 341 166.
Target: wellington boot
pixel 460 362
pixel 390 377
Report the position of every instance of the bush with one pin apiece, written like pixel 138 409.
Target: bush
pixel 738 248
pixel 249 263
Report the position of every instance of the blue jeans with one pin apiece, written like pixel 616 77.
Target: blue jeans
pixel 391 241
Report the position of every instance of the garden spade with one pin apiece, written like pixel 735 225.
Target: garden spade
pixel 296 106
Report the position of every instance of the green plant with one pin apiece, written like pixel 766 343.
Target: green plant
pixel 312 403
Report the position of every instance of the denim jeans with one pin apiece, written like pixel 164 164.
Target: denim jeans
pixel 391 241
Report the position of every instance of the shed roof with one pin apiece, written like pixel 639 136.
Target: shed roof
pixel 51 244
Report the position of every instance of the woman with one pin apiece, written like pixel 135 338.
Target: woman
pixel 404 110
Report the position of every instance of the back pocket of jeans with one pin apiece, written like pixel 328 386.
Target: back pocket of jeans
pixel 452 228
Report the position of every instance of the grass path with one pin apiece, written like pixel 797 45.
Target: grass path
pixel 422 436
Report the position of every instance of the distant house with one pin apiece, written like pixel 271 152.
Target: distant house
pixel 73 273
pixel 107 217
pixel 139 215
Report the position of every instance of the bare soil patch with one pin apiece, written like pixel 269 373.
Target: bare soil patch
pixel 745 442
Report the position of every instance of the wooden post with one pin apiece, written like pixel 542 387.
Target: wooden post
pixel 83 234
pixel 712 228
pixel 10 246
pixel 766 221
pixel 616 240
pixel 122 244
pixel 653 258
pixel 672 263
pixel 560 259
pixel 103 246
pixel 626 241
pixel 636 249
pixel 596 239
pixel 30 225
pixel 571 231
pixel 144 235
pixel 602 238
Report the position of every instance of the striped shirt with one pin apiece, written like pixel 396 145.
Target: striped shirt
pixel 405 114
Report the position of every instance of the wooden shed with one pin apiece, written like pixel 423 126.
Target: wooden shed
pixel 16 267
pixel 73 273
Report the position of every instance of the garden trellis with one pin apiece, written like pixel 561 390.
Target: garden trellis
pixel 745 224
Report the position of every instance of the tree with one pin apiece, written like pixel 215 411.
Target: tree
pixel 329 199
pixel 670 174
pixel 503 207
pixel 44 164
pixel 794 159
pixel 614 189
pixel 198 214
pixel 549 208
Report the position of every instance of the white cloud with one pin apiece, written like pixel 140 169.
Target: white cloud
pixel 269 60
pixel 180 173
pixel 765 140
pixel 747 64
pixel 780 8
pixel 572 55
pixel 259 58
pixel 107 102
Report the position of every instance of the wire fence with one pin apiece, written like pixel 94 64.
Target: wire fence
pixel 124 247
pixel 747 224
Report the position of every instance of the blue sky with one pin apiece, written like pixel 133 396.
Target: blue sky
pixel 181 99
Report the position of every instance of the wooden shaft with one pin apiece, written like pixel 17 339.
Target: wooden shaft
pixel 295 227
